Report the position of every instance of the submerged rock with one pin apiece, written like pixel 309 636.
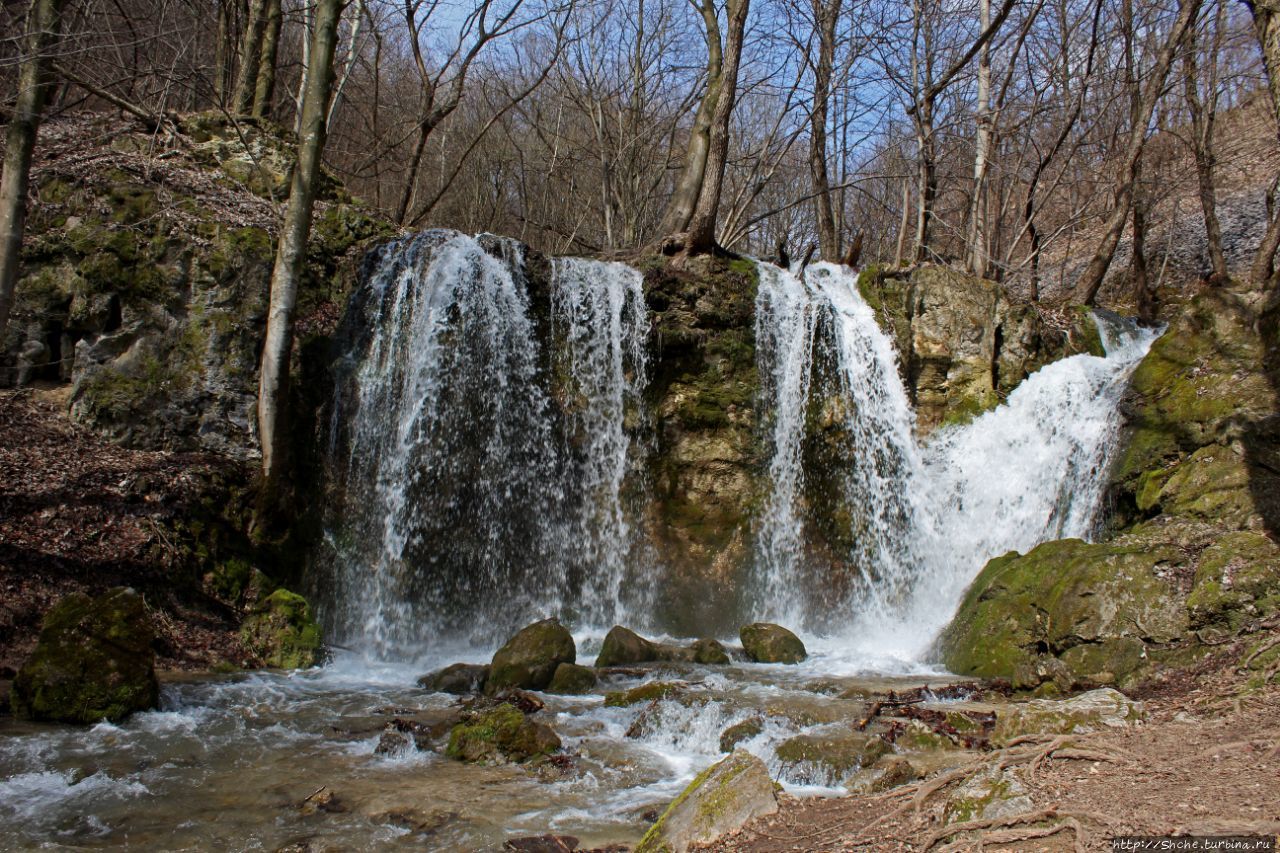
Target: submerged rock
pixel 708 651
pixel 93 662
pixel 1088 712
pixel 736 734
pixel 458 679
pixel 724 797
pixel 500 735
pixel 644 693
pixel 282 633
pixel 768 643
pixel 571 679
pixel 830 758
pixel 529 659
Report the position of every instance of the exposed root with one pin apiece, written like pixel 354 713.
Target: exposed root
pixel 991 823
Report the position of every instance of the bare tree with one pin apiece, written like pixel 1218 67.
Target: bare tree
pixel 1266 24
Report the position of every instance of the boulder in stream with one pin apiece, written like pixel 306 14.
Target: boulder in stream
pixel 709 651
pixel 459 679
pixel 500 735
pixel 529 659
pixel 737 733
pixel 572 680
pixel 93 661
pixel 723 798
pixel 768 643
pixel 282 633
pixel 830 758
pixel 623 646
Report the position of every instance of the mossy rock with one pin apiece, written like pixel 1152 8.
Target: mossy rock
pixel 622 646
pixel 721 799
pixel 572 680
pixel 988 795
pixel 1236 583
pixel 459 679
pixel 915 736
pixel 281 633
pixel 500 735
pixel 529 659
pixel 1089 712
pixel 710 652
pixel 654 690
pixel 830 758
pixel 768 643
pixel 739 732
pixel 1025 616
pixel 92 662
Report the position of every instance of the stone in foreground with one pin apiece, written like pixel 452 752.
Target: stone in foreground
pixel 723 798
pixel 501 735
pixel 767 643
pixel 530 658
pixel 1088 712
pixel 93 662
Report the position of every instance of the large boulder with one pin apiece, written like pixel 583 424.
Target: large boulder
pixel 530 658
pixel 831 757
pixel 1066 611
pixel 571 679
pixel 1089 712
pixel 93 662
pixel 623 646
pixel 723 798
pixel 458 679
pixel 767 643
pixel 500 735
pixel 281 632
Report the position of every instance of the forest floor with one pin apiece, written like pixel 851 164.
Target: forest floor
pixel 80 514
pixel 1205 762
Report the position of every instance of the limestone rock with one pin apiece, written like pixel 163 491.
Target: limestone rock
pixel 724 797
pixel 830 758
pixel 991 794
pixel 92 662
pixel 737 733
pixel 624 646
pixel 500 735
pixel 458 679
pixel 529 659
pixel 644 693
pixel 571 679
pixel 767 643
pixel 889 773
pixel 1088 712
pixel 708 651
pixel 282 633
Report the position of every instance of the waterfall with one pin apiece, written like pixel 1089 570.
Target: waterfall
pixel 480 453
pixel 922 519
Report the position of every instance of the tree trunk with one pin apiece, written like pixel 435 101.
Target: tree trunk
pixel 826 15
pixel 1139 276
pixel 926 177
pixel 1266 24
pixel 1122 191
pixel 982 151
pixel 265 89
pixel 44 21
pixel 1203 115
pixel 702 227
pixel 903 223
pixel 295 229
pixel 684 200
pixel 250 57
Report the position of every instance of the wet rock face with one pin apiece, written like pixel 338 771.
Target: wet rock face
pixel 623 646
pixel 963 345
pixel 501 735
pixel 529 659
pixel 93 662
pixel 281 632
pixel 572 680
pixel 724 797
pixel 766 643
pixel 458 679
pixel 828 759
pixel 146 288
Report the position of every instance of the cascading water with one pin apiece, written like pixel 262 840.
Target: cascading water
pixel 921 520
pixel 481 454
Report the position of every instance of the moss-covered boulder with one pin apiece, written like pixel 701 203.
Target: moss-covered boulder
pixel 739 732
pixel 281 632
pixel 991 794
pixel 711 652
pixel 829 758
pixel 92 662
pixel 623 646
pixel 1089 712
pixel 500 735
pixel 572 680
pixel 1092 608
pixel 650 692
pixel 721 799
pixel 768 643
pixel 1237 582
pixel 529 659
pixel 458 679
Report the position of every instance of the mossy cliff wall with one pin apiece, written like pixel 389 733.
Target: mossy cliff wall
pixel 1189 561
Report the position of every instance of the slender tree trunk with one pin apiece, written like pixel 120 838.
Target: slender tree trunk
pixel 702 227
pixel 1203 115
pixel 1122 191
pixel 826 15
pixel 1139 275
pixel 222 53
pixel 294 232
pixel 904 223
pixel 250 57
pixel 926 178
pixel 684 200
pixel 265 89
pixel 982 152
pixel 44 22
pixel 1266 25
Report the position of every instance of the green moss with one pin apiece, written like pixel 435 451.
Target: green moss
pixel 282 633
pixel 501 733
pixel 650 692
pixel 961 409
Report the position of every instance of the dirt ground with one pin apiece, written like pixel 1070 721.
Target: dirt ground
pixel 1205 762
pixel 80 514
